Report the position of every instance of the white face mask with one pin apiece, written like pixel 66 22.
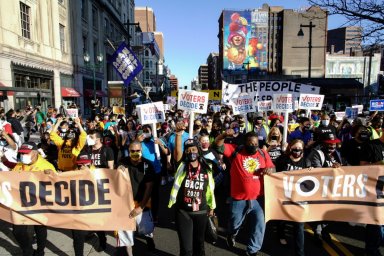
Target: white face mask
pixel 90 141
pixel 325 122
pixel 26 159
pixel 147 135
pixel 63 130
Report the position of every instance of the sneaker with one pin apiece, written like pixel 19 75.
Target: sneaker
pixel 150 244
pixel 231 242
pixel 283 241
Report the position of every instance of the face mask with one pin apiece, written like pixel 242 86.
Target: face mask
pixel 63 130
pixel 307 128
pixel 236 129
pixel 147 135
pixel 26 159
pixel 302 115
pixel 196 127
pixel 97 119
pixel 274 137
pixel 205 145
pixel 135 156
pixel 325 122
pixel 191 157
pixel 49 127
pixel 251 149
pixel 90 141
pixel 259 121
pixel 296 153
pixel 364 136
pixel 226 125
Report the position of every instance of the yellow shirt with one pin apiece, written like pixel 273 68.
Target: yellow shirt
pixel 39 166
pixel 67 155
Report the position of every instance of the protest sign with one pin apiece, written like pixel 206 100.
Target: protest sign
pixel 242 104
pixel 118 110
pixel 193 101
pixel 282 103
pixel 72 112
pixel 310 101
pixel 126 63
pixel 263 106
pixel 171 100
pixel 348 194
pixel 151 113
pixel 339 116
pixel 86 200
pixel 215 108
pixel 376 105
pixel 359 107
pixel 263 90
pixel 351 112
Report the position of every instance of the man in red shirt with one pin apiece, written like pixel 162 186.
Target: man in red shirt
pixel 248 165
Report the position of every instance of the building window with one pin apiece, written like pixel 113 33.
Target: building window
pixel 106 26
pixel 112 31
pixel 150 64
pixel 147 75
pixel 95 18
pixel 84 9
pixel 95 52
pixel 146 64
pixel 85 42
pixel 25 20
pixel 62 38
pixel 146 53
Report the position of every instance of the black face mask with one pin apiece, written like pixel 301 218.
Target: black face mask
pixel 364 136
pixel 296 153
pixel 196 127
pixel 251 149
pixel 274 137
pixel 191 157
pixel 307 128
pixel 330 150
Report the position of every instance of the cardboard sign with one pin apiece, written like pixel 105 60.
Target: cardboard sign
pixel 243 104
pixel 348 194
pixel 360 108
pixel 263 106
pixel 193 101
pixel 215 108
pixel 151 113
pixel 100 199
pixel 282 103
pixel 351 112
pixel 376 105
pixel 310 101
pixel 171 100
pixel 73 112
pixel 118 110
pixel 264 90
pixel 339 116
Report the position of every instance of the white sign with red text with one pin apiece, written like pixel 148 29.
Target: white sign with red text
pixel 311 101
pixel 264 105
pixel 73 112
pixel 193 101
pixel 282 102
pixel 151 113
pixel 243 104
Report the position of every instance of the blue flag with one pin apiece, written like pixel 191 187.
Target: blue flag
pixel 126 63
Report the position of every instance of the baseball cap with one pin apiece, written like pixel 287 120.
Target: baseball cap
pixel 84 158
pixel 27 147
pixel 329 138
pixel 190 143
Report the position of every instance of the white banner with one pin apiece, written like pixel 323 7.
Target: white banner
pixel 310 101
pixel 264 105
pixel 73 112
pixel 339 116
pixel 263 90
pixel 282 102
pixel 193 101
pixel 151 113
pixel 243 104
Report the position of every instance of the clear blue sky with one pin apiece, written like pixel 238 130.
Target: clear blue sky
pixel 190 29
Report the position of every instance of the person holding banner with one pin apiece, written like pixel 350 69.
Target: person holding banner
pixel 249 164
pixel 292 159
pixel 31 161
pixel 192 195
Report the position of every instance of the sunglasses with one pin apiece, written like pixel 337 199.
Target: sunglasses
pixel 133 151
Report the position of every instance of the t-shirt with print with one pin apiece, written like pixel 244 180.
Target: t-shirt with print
pixel 285 163
pixel 101 156
pixel 140 175
pixel 274 153
pixel 246 178
pixel 372 151
pixel 320 159
pixel 191 196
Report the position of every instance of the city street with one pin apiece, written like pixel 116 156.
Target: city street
pixel 346 239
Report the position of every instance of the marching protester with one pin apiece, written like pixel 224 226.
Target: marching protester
pixel 249 164
pixel 192 195
pixel 304 133
pixel 31 161
pixel 274 144
pixel 142 176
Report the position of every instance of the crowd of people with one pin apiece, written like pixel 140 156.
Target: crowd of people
pixel 227 154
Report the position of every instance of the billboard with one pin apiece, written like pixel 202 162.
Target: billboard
pixel 245 39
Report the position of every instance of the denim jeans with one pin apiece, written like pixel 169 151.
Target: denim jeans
pixel 253 209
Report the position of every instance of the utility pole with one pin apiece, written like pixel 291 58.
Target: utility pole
pixel 301 33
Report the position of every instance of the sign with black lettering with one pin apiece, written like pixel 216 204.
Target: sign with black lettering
pixel 84 200
pixel 348 194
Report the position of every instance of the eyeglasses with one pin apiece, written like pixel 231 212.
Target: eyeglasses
pixel 133 151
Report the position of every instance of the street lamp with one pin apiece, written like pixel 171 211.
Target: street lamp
pixel 93 66
pixel 301 34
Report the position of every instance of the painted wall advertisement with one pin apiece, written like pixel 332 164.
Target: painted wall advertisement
pixel 245 39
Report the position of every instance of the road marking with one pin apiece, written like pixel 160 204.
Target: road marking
pixel 328 248
pixel 340 246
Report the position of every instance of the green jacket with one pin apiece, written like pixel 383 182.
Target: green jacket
pixel 179 177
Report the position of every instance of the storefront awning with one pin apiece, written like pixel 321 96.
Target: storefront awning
pixel 89 93
pixel 69 92
pixel 9 93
